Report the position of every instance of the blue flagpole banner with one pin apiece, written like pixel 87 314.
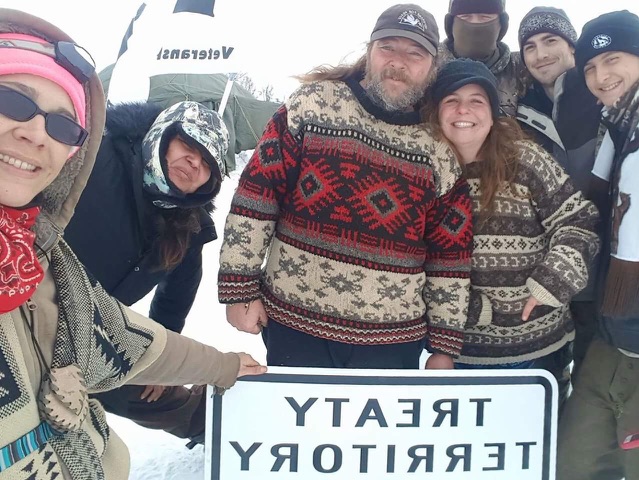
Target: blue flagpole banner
pixel 129 31
pixel 205 7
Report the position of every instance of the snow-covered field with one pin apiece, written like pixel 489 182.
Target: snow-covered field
pixel 156 455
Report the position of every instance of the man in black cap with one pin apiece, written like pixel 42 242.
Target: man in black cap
pixel 564 117
pixel 599 432
pixel 363 218
pixel 474 29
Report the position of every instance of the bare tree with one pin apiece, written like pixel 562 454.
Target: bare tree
pixel 244 80
pixel 265 93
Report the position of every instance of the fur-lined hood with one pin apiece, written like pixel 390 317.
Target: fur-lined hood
pixel 149 128
pixel 131 120
pixel 60 198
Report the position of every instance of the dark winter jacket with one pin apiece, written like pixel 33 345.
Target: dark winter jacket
pixel 114 228
pixel 569 129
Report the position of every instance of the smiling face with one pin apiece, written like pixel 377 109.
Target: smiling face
pixel 186 168
pixel 465 118
pixel 611 74
pixel 397 71
pixel 547 56
pixel 29 158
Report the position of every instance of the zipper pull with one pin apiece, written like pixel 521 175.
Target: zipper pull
pixel 31 306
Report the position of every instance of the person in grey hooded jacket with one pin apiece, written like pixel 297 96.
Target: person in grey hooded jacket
pixel 563 116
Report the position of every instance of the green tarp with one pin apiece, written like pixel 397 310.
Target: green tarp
pixel 244 115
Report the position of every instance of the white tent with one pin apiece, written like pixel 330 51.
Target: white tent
pixel 177 36
pixel 178 50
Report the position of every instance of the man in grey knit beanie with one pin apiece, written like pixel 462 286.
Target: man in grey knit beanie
pixel 563 116
pixel 547 45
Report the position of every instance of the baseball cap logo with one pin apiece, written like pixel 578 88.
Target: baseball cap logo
pixel 601 41
pixel 413 19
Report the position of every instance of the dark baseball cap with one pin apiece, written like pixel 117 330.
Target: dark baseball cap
pixel 409 21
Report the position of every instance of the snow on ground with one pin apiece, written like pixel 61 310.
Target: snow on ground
pixel 156 455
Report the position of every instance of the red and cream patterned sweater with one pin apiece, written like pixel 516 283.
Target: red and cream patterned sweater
pixel 351 224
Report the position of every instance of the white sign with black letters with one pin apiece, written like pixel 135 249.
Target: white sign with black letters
pixel 304 423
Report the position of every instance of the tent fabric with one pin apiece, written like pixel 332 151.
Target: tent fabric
pixel 244 115
pixel 166 58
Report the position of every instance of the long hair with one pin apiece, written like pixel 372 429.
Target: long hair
pixel 500 154
pixel 343 71
pixel 175 227
pixel 339 72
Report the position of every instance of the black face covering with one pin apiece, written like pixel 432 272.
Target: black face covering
pixel 475 40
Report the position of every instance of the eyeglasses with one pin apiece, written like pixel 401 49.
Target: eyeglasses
pixel 21 108
pixel 73 58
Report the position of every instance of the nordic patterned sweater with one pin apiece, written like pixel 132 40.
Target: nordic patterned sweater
pixel 364 221
pixel 539 241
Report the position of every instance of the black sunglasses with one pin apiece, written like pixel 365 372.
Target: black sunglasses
pixel 21 108
pixel 73 58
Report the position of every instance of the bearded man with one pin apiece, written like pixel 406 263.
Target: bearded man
pixel 349 238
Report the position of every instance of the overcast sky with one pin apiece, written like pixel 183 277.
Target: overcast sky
pixel 279 38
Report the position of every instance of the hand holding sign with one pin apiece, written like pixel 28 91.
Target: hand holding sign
pixel 249 366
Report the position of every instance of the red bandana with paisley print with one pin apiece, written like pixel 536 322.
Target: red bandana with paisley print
pixel 20 270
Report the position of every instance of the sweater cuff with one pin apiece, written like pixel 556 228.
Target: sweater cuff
pixel 486 312
pixel 541 294
pixel 448 342
pixel 232 291
pixel 480 309
pixel 229 374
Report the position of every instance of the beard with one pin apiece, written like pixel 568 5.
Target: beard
pixel 407 100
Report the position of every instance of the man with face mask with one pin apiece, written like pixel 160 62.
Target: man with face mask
pixel 474 29
pixel 349 236
pixel 564 117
